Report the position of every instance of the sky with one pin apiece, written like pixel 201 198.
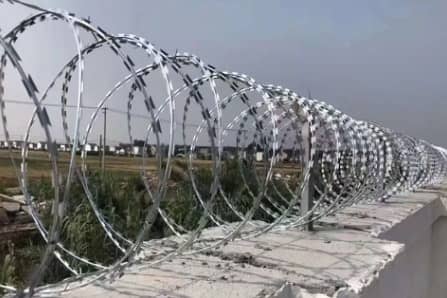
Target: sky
pixel 382 61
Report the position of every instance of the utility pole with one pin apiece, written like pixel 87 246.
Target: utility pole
pixel 104 109
pixel 100 149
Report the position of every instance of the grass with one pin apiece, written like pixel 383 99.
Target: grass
pixel 39 165
pixel 122 199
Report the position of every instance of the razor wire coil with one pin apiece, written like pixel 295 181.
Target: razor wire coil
pixel 349 161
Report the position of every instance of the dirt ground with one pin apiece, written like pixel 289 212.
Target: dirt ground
pixel 38 165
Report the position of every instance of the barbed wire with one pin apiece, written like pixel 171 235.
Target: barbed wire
pixel 343 160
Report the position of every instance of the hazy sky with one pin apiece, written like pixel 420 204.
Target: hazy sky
pixel 381 60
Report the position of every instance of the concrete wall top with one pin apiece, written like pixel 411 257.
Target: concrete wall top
pixel 346 256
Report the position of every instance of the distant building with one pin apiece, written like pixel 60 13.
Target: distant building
pixel 91 148
pixel 63 147
pixel 125 149
pixel 137 150
pixel 111 149
pixel 41 145
pixel 150 150
pixel 120 151
pixel 16 144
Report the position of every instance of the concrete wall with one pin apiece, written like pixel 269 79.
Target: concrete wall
pixel 438 272
pixel 408 275
pixel 396 249
pixel 420 270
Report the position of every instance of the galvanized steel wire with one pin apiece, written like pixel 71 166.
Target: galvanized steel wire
pixel 349 161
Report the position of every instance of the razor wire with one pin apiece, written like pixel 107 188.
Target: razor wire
pixel 347 160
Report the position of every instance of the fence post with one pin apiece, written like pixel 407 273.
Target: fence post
pixel 308 191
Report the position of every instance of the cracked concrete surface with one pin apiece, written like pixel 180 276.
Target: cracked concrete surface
pixel 347 256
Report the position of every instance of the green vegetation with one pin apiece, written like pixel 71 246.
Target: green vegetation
pixel 123 201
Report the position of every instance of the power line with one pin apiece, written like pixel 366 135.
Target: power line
pixel 114 111
pixel 22 102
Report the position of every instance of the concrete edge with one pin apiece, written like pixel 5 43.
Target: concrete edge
pixel 436 208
